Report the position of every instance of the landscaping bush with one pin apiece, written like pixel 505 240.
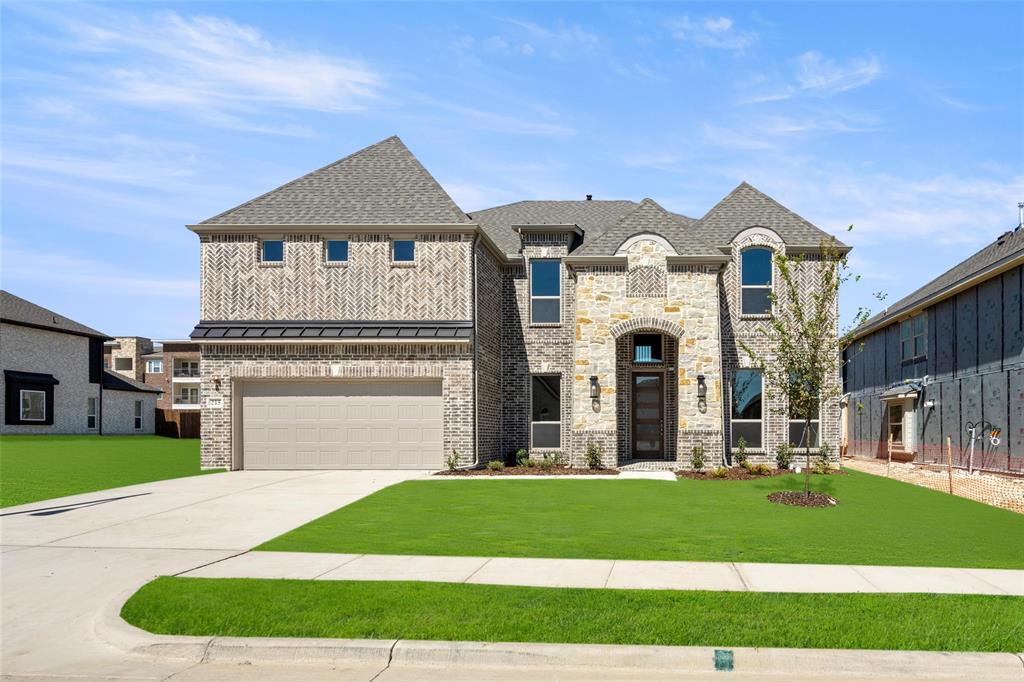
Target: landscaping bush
pixel 558 458
pixel 697 458
pixel 760 470
pixel 452 460
pixel 720 472
pixel 822 463
pixel 741 452
pixel 521 455
pixel 784 456
pixel 547 462
pixel 496 465
pixel 594 456
pixel 531 463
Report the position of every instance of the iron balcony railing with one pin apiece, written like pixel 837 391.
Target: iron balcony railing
pixel 186 371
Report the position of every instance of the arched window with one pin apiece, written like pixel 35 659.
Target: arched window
pixel 756 281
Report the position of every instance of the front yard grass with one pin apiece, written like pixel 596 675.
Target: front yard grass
pixel 877 522
pixel 34 468
pixel 451 611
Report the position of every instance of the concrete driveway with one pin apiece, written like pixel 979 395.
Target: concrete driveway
pixel 63 561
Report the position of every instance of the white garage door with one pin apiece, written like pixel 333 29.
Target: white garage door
pixel 334 425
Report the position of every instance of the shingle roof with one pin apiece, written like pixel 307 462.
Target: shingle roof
pixel 649 217
pixel 592 216
pixel 383 184
pixel 19 311
pixel 746 207
pixel 257 330
pixel 116 382
pixel 1004 249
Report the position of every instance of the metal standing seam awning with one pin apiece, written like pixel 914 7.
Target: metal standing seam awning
pixel 900 393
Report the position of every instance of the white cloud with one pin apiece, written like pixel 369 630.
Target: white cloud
pixel 819 76
pixel 502 123
pixel 713 32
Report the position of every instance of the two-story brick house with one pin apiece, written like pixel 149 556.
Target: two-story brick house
pixel 357 318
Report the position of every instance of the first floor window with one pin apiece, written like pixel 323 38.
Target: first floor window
pixel 272 251
pixel 90 413
pixel 138 415
pixel 747 393
pixel 799 436
pixel 546 411
pixel 33 406
pixel 896 424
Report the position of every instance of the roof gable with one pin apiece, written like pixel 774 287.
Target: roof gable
pixel 649 217
pixel 383 184
pixel 17 310
pixel 746 206
pixel 592 216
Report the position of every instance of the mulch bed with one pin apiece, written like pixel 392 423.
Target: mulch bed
pixel 735 474
pixel 795 498
pixel 531 471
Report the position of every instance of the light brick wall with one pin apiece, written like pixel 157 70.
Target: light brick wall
pixel 236 286
pixel 223 366
pixel 119 413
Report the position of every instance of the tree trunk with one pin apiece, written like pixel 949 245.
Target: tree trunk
pixel 807 451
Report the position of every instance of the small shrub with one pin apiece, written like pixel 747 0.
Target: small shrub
pixel 784 456
pixel 720 472
pixel 594 456
pixel 748 465
pixel 496 465
pixel 547 463
pixel 822 463
pixel 697 458
pixel 452 460
pixel 741 452
pixel 521 456
pixel 531 463
pixel 760 470
pixel 558 458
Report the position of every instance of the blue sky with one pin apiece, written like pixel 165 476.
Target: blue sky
pixel 123 122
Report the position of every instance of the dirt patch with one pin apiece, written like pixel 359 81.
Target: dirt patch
pixel 795 498
pixel 531 471
pixel 733 474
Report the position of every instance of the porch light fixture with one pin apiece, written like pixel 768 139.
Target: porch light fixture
pixel 702 388
pixel 595 390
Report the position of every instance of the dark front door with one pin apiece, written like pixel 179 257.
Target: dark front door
pixel 648 416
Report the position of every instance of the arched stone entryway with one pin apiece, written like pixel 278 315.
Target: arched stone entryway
pixel 647 386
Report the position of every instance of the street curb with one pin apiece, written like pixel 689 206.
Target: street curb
pixel 788 663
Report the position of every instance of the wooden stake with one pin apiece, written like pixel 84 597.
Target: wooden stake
pixel 949 462
pixel 888 465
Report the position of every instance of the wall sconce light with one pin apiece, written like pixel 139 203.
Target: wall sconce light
pixel 595 390
pixel 929 404
pixel 702 388
pixel 216 384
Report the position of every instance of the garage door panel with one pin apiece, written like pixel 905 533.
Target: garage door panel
pixel 328 425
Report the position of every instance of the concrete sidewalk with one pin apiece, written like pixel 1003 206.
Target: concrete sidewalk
pixel 592 573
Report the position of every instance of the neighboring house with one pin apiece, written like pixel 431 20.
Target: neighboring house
pixel 948 355
pixel 173 367
pixel 54 381
pixel 357 317
pixel 124 355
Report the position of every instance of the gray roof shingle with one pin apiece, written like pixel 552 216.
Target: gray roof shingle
pixel 592 216
pixel 746 207
pixel 112 381
pixel 649 217
pixel 1007 247
pixel 383 184
pixel 19 311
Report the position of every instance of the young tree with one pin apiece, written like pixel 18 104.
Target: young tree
pixel 805 350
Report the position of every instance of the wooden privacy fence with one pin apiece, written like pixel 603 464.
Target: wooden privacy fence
pixel 177 423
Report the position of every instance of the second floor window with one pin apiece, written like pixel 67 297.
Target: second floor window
pixel 337 250
pixel 913 337
pixel 186 368
pixel 124 364
pixel 756 281
pixel 403 251
pixel 545 292
pixel 272 251
pixel 154 366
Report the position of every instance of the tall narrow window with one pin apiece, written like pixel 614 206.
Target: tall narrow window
pixel 33 405
pixel 403 251
pixel 336 250
pixel 272 251
pixel 138 415
pixel 914 337
pixel 90 413
pixel 545 411
pixel 545 292
pixel 896 424
pixel 747 407
pixel 756 281
pixel 799 436
pixel 647 348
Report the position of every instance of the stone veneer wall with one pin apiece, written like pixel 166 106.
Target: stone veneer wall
pixel 534 349
pixel 612 303
pixel 235 285
pixel 133 347
pixel 225 364
pixel 737 328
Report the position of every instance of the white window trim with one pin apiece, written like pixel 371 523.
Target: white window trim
pixel 403 263
pixel 529 284
pixel 91 411
pixel 149 365
pixel 272 263
pixel 559 421
pixel 21 405
pixel 348 252
pixel 770 286
pixel 902 442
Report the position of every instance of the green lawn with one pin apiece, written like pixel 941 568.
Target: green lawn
pixel 451 611
pixel 36 468
pixel 878 521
